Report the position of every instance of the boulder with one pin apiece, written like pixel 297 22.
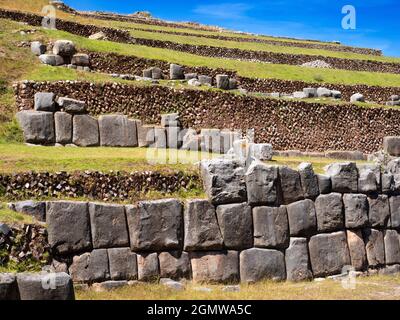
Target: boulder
pixel 108 225
pixel 302 218
pixel 38 48
pixel 262 183
pixel 224 181
pixel 63 127
pixel 64 48
pixel 153 73
pixel 336 94
pixel 379 211
pixel 258 264
pixel 85 131
pixel 310 92
pixel 194 82
pixel 297 261
pixel 98 36
pixel 8 287
pixel 355 210
pixel 329 253
pixel 357 97
pixel 233 84
pixel 148 267
pixel 45 286
pixel 324 184
pixel 299 95
pixel 44 101
pixel 170 120
pixel 71 105
pixel 51 60
pixel 190 76
pixel 123 264
pixel 201 227
pixel 174 265
pixel 369 180
pixel 36 209
pixel 211 140
pixel 271 227
pixel 145 135
pixel 155 225
pixel 235 222
pixel 329 211
pixel 68 226
pixel 344 177
pixel 394 204
pixel 309 180
pixel 261 151
pixel 176 72
pixel 357 251
pixel 290 184
pixel 324 93
pixel 80 59
pixel 391 145
pixel 374 246
pixel 117 131
pixel 90 267
pixel 215 267
pixel 222 81
pixel 392 247
pixel 205 80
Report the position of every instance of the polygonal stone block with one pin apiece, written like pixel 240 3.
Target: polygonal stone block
pixel 309 180
pixel 297 261
pixel 174 265
pixel 117 131
pixel 71 105
pixel 90 267
pixel 394 204
pixel 37 126
pixel 123 264
pixel 344 177
pixel 357 249
pixel 379 211
pixel 148 267
pixel 355 210
pixel 63 127
pixel 374 246
pixel 302 218
pixel 329 210
pixel 85 131
pixel 8 287
pixel 392 247
pixel 44 101
pixel 291 185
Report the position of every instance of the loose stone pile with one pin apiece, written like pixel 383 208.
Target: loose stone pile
pixel 394 100
pixel 317 64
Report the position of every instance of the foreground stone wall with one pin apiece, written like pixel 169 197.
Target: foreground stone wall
pixel 287 125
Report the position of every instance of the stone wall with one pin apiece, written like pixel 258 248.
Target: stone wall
pixel 287 125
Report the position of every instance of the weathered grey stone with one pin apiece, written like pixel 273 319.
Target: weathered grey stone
pixel 148 267
pixel 109 285
pixel 392 247
pixel 145 135
pixel 336 94
pixel 222 81
pixel 224 180
pixel 310 92
pixel 357 97
pixel 258 264
pixel 148 73
pixel 201 227
pixel 344 177
pixel 108 225
pixel 71 105
pixel 220 267
pixel 170 120
pixel 38 48
pixel 290 184
pixel 357 249
pixel 211 140
pixel 174 140
pixel 36 209
pixel 63 127
pixel 302 218
pixel 117 131
pixel 85 131
pixel 379 211
pixel 329 253
pixel 235 222
pixel 90 267
pixel 297 261
pixel 309 180
pixel 176 72
pixel 271 227
pixel 391 145
pixel 44 101
pixel 190 76
pixel 156 73
pixel 261 151
pixel 64 48
pixel 8 287
pixel 390 270
pixel 374 246
pixel 80 59
pixel 45 286
pixel 369 180
pixel 299 95
pixel 324 184
pixel 160 138
pixel 355 210
pixel 394 204
pixel 262 184
pixel 123 264
pixel 205 80
pixel 174 265
pixel 5 229
pixel 173 285
pixel 155 225
pixel 329 210
pixel 68 226
pixel 324 93
pixel 233 84
pixel 57 266
pixel 51 59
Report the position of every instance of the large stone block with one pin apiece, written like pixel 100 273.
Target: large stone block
pixel 262 184
pixel 392 247
pixel 64 48
pixel 291 185
pixel 108 225
pixel 148 267
pixel 117 131
pixel 369 180
pixel 201 227
pixel 258 264
pixel 357 249
pixel 38 48
pixel 176 72
pixel 329 253
pixel 71 105
pixel 155 225
pixel 261 151
pixel 271 227
pixel 224 180
pixel 235 222
pixel 219 267
pixel 379 211
pixel 391 145
pixel 324 184
pixel 51 59
pixel 394 204
pixel 81 59
pixel 123 264
pixel 374 246
pixel 45 286
pixel 85 131
pixel 329 210
pixel 8 287
pixel 344 177
pixel 68 226
pixel 302 218
pixel 355 210
pixel 222 81
pixel 145 135
pixel 44 101
pixel 63 127
pixel 90 267
pixel 297 261
pixel 174 265
pixel 309 181
pixel 38 127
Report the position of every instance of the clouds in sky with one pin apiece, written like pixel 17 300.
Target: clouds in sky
pixel 223 10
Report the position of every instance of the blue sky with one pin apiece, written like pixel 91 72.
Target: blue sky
pixel 378 21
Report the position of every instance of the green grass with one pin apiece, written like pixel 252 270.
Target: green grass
pixel 12 217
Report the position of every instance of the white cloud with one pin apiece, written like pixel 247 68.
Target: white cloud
pixel 224 10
